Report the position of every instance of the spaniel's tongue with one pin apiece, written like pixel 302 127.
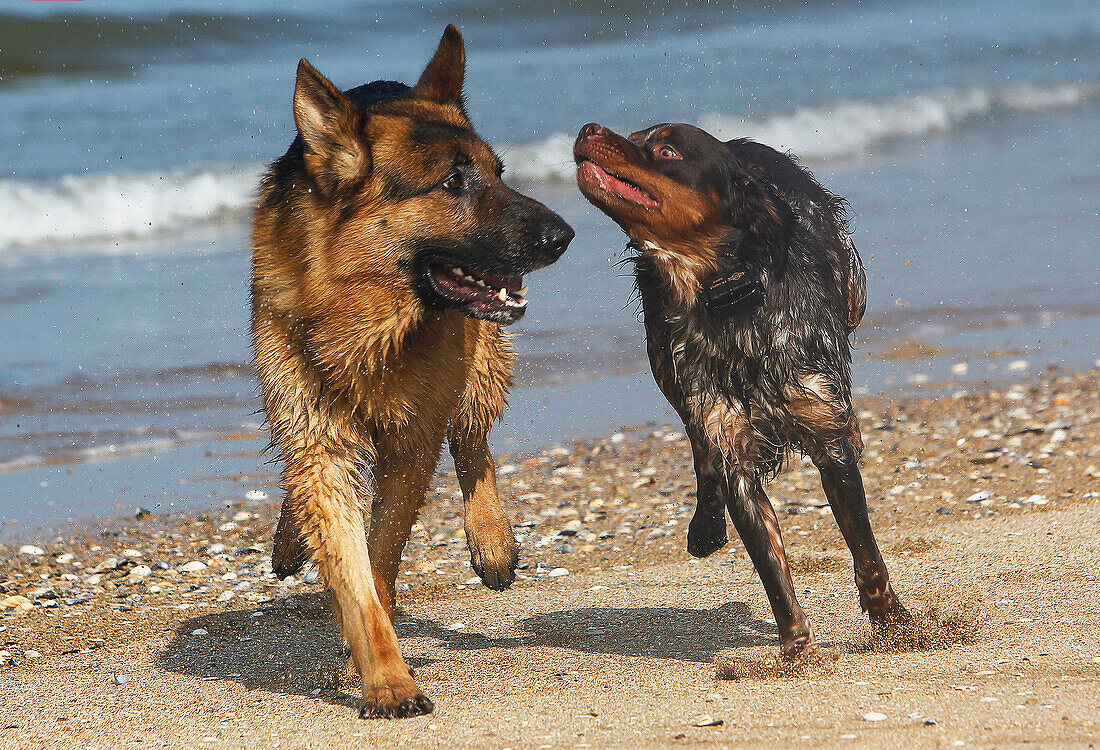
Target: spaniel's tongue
pixel 618 186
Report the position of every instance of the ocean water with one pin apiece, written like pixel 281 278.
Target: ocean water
pixel 963 133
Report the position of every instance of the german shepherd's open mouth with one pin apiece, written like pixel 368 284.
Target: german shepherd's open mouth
pixel 474 292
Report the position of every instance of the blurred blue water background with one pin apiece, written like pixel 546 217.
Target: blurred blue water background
pixel 963 133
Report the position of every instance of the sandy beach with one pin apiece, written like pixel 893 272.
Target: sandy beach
pixel 171 631
pixel 137 603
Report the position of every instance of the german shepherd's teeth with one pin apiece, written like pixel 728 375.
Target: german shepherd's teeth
pixel 502 295
pixel 479 282
pixel 522 293
pixel 460 273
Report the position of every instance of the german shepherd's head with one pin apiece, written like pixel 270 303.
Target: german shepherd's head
pixel 406 194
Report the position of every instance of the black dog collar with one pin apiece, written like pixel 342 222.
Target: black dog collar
pixel 740 290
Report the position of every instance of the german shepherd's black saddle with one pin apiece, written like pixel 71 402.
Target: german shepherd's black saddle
pixel 740 290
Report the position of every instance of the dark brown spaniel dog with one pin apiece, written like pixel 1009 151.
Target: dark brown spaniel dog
pixel 750 287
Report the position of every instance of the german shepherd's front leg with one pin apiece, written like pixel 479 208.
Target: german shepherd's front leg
pixel 324 495
pixel 493 549
pixel 401 482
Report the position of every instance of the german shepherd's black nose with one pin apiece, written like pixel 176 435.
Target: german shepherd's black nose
pixel 553 239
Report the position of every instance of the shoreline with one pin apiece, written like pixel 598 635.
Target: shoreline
pixel 258 503
pixel 222 465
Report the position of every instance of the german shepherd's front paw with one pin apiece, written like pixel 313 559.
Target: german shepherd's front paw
pixel 393 703
pixel 495 560
pixel 706 534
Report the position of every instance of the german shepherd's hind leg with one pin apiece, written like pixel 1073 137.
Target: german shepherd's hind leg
pixel 325 495
pixel 289 553
pixel 758 527
pixel 707 528
pixel 401 482
pixel 843 485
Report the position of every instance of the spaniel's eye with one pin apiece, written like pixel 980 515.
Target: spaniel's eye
pixel 668 152
pixel 454 182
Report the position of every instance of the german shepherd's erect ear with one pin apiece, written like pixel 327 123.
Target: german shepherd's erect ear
pixel 336 152
pixel 442 79
pixel 331 128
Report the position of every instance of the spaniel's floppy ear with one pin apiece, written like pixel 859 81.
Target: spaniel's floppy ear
pixel 764 219
pixel 442 79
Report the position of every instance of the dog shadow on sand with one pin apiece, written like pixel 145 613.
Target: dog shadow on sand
pixel 661 632
pixel 292 645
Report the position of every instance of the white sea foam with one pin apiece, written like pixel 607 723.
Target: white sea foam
pixel 27 461
pixel 133 447
pixel 849 129
pixel 838 130
pixel 106 208
pixel 92 453
pixel 93 213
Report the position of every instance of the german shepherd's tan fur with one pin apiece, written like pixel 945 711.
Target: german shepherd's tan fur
pixel 365 365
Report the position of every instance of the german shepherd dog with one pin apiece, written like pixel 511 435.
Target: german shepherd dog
pixel 387 254
pixel 750 286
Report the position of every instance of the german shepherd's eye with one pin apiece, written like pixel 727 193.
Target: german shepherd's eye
pixel 454 182
pixel 668 152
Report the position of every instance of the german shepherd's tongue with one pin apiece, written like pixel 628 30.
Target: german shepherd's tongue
pixel 511 283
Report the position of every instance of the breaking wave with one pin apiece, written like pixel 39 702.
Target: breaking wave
pixel 93 212
pixel 108 208
pixel 839 130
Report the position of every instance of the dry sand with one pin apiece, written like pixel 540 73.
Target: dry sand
pixel 612 636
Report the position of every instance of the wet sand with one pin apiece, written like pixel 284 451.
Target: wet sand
pixel 171 630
